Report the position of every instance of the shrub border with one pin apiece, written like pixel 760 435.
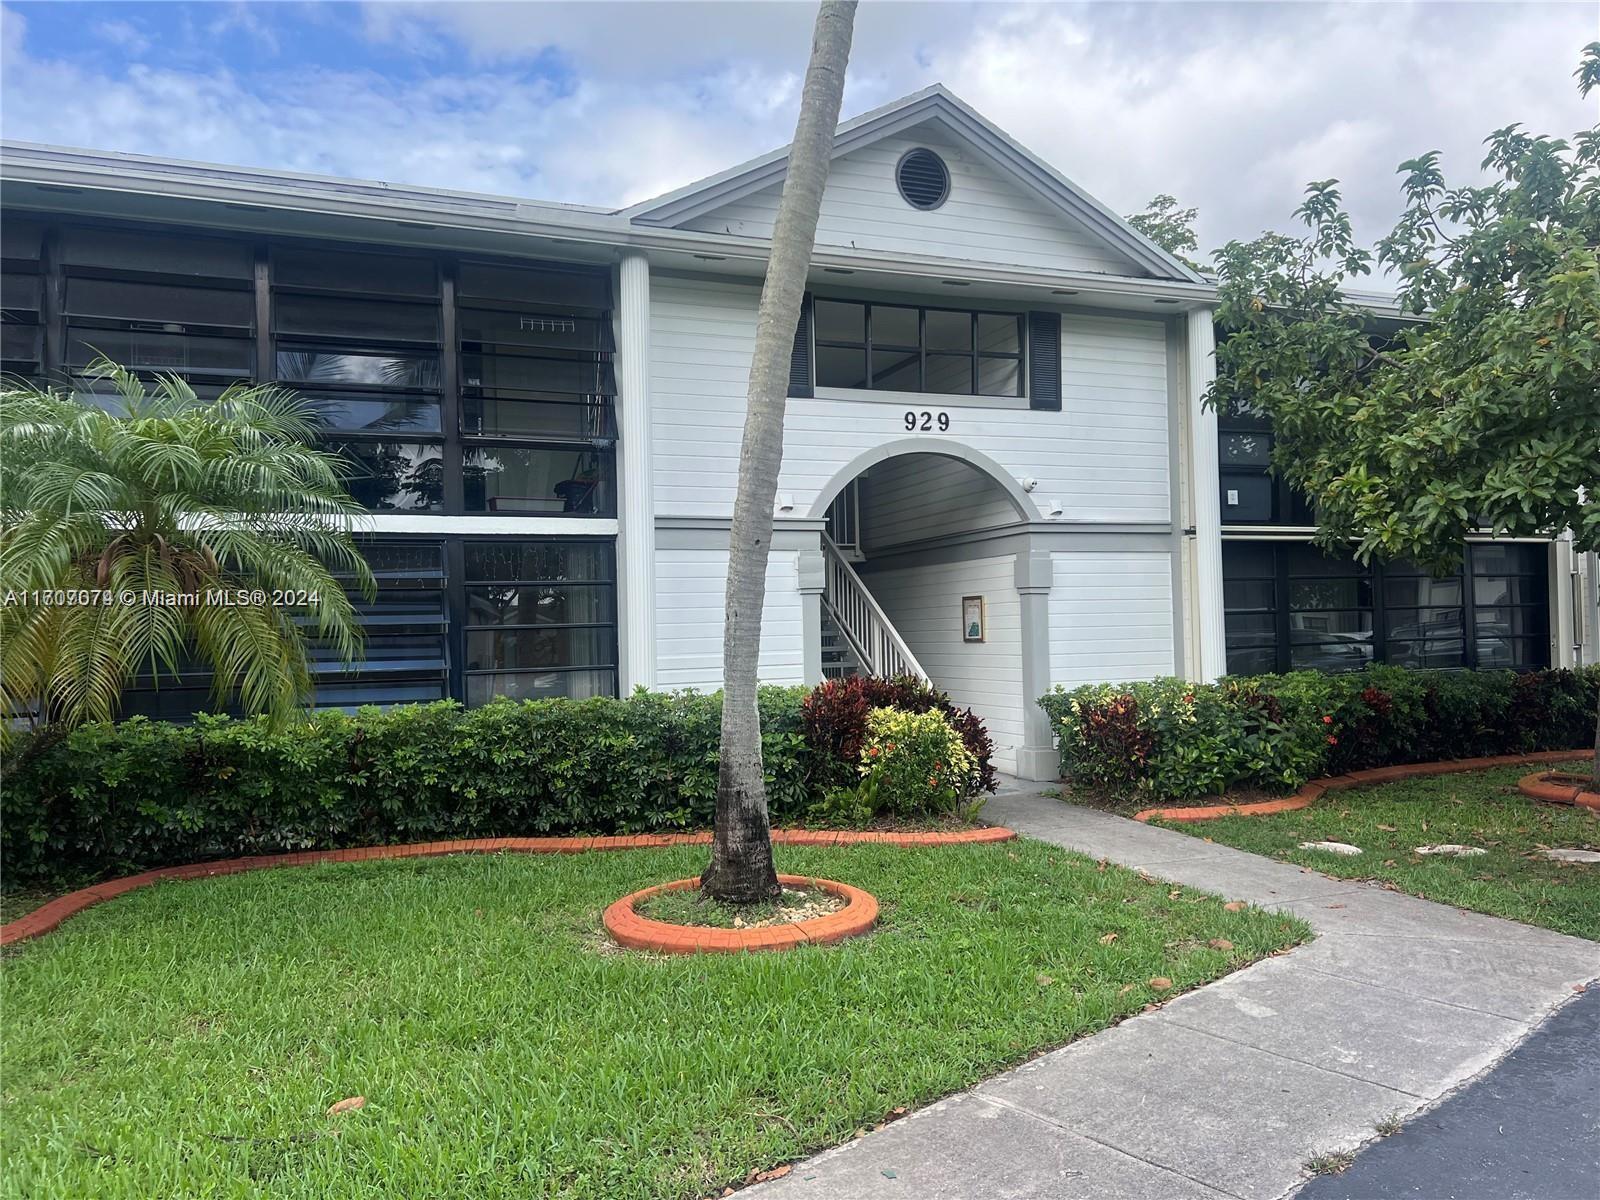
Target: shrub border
pixel 49 916
pixel 1313 791
pixel 629 929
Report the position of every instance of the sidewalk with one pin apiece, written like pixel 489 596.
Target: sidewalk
pixel 1228 1090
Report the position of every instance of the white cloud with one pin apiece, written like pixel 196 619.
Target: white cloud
pixel 1232 108
pixel 122 35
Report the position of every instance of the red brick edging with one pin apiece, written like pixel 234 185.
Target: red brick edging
pixel 1314 790
pixel 642 933
pixel 49 916
pixel 1539 786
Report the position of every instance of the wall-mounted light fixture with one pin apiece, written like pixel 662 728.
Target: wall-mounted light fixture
pixel 1057 507
pixel 785 502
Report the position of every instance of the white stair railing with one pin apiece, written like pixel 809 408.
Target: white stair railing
pixel 877 643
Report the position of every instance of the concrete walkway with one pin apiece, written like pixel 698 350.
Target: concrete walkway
pixel 1228 1090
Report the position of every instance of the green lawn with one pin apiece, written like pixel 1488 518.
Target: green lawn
pixel 1482 808
pixel 187 1039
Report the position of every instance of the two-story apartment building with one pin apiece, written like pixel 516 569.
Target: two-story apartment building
pixel 997 469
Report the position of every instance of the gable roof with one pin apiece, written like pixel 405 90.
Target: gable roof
pixel 933 105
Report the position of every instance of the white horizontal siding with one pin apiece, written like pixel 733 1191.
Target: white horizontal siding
pixel 689 591
pixel 986 218
pixel 1104 455
pixel 1111 617
pixel 917 496
pixel 924 604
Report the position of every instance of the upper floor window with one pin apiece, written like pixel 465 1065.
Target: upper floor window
pixel 900 348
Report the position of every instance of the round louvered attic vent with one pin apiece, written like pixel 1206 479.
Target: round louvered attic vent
pixel 923 179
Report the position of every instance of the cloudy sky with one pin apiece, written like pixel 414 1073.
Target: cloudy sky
pixel 1231 107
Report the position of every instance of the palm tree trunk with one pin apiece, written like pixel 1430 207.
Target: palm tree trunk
pixel 741 869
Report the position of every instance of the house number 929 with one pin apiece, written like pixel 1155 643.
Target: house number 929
pixel 926 421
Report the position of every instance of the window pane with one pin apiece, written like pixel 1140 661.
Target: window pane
pixel 1329 593
pixel 1248 560
pixel 145 351
pixel 330 367
pixel 1509 590
pixel 1325 626
pixel 1252 660
pixel 20 239
pixel 355 413
pixel 1306 559
pixel 841 368
pixel 896 371
pixel 552 604
pixel 20 343
pixel 507 479
pixel 536 417
pixel 1246 499
pixel 950 374
pixel 839 321
pixel 388 275
pixel 419 559
pixel 894 326
pixel 1247 593
pixel 1434 654
pixel 148 302
pixel 515 372
pixel 540 685
pixel 555 330
pixel 1413 624
pixel 1245 449
pixel 406 476
pixel 19 292
pixel 1525 621
pixel 1509 559
pixel 999 376
pixel 1420 592
pixel 1498 653
pixel 949 330
pixel 327 316
pixel 539 285
pixel 1000 334
pixel 1349 653
pixel 524 648
pixel 115 248
pixel 538 560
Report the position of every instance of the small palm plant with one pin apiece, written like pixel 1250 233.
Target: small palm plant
pixel 186 533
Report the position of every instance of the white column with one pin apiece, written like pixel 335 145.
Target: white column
pixel 1202 369
pixel 635 474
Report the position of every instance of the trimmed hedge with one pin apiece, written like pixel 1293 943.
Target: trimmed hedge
pixel 108 799
pixel 1175 740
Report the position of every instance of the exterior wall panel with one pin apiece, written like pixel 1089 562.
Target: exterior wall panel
pixel 1111 617
pixel 924 604
pixel 1104 455
pixel 689 610
pixel 986 217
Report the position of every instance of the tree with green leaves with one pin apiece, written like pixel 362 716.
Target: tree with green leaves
pixel 1170 227
pixel 167 537
pixel 1482 414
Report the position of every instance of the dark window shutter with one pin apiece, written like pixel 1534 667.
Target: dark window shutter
pixel 800 370
pixel 1044 361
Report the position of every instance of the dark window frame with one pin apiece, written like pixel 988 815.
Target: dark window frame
pixel 55 332
pixel 976 355
pixel 464 626
pixel 1531 651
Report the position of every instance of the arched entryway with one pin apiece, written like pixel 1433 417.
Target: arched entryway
pixel 924 538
